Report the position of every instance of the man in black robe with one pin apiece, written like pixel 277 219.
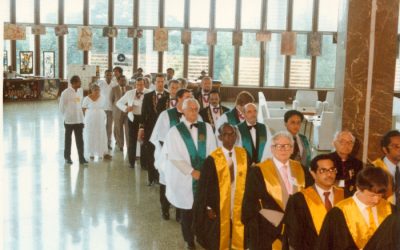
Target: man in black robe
pixel 306 209
pixel 213 112
pixel 222 179
pixel 388 234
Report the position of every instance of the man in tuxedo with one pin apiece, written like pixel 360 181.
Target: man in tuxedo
pixel 390 162
pixel 203 95
pixel 120 117
pixel 170 101
pixel 149 118
pixel 131 103
pixel 214 111
pixel 253 135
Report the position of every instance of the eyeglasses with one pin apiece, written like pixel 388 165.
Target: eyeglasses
pixel 283 146
pixel 324 170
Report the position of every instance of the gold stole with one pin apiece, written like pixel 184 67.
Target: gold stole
pixel 224 184
pixel 389 194
pixel 273 186
pixel 355 221
pixel 317 206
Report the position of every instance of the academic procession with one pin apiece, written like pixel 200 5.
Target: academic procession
pixel 191 124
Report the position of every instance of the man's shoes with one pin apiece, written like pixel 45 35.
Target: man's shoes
pixel 68 161
pixel 165 215
pixel 190 246
pixel 83 162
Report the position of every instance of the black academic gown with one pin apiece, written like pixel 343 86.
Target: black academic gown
pixel 206 115
pixel 387 236
pixel 260 232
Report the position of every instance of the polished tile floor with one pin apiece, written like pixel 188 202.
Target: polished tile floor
pixel 48 205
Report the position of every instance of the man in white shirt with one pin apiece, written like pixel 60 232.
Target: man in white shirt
pixel 106 86
pixel 71 108
pixel 187 145
pixel 203 95
pixel 131 103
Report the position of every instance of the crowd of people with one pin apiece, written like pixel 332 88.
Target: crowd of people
pixel 234 184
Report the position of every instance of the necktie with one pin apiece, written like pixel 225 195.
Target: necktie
pixel 216 110
pixel 285 178
pixel 296 150
pixel 194 125
pixel 231 169
pixel 328 204
pixel 372 225
pixel 397 186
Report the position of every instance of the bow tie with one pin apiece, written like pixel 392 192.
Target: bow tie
pixel 251 126
pixel 194 125
pixel 216 110
pixel 159 95
pixel 138 94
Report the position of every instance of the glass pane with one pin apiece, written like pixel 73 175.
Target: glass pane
pixel 397 76
pixel 199 13
pixel 174 13
pixel 173 58
pixel 6 10
pixel 326 64
pixel 25 10
pixel 124 45
pixel 148 13
pixel 98 12
pixel 249 62
pixel 300 65
pixel 276 14
pixel 123 12
pixel 225 14
pixel 148 58
pixel 198 54
pixel 7 59
pixel 224 58
pixel 98 55
pixel 251 14
pixel 48 11
pixel 26 45
pixel 328 15
pixel 74 56
pixel 49 42
pixel 74 11
pixel 274 63
pixel 302 14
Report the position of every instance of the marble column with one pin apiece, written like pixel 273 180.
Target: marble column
pixel 365 71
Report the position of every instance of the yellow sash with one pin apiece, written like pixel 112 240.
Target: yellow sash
pixel 271 179
pixel 389 194
pixel 224 182
pixel 317 207
pixel 355 221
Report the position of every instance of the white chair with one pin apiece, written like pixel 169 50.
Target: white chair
pixel 307 100
pixel 329 102
pixel 276 105
pixel 277 113
pixel 275 124
pixel 324 131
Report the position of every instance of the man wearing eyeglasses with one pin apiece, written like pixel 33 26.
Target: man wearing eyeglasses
pixel 306 210
pixel 268 187
pixel 353 221
pixel 346 164
pixel 390 144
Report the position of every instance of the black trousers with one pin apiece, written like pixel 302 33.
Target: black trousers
pixel 163 200
pixel 78 132
pixel 148 154
pixel 186 225
pixel 133 128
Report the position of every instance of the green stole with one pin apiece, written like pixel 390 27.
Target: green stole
pixel 197 156
pixel 247 141
pixel 173 117
pixel 230 115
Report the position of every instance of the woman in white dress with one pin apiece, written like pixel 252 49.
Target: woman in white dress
pixel 95 124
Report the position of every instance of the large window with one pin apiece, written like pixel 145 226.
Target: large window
pixel 276 14
pixel 73 55
pixel 274 63
pixel 326 63
pixel 302 15
pixel 123 12
pixel 7 57
pixel 173 58
pixel 224 58
pixel 99 52
pixel 123 45
pixel 328 15
pixel 249 64
pixel 198 54
pixel 199 13
pixel 300 65
pixel 148 58
pixel 225 14
pixel 148 10
pixel 6 10
pixel 98 12
pixel 73 11
pixel 24 11
pixel 48 11
pixel 251 14
pixel 49 42
pixel 26 45
pixel 174 13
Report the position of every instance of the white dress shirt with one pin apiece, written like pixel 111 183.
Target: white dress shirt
pixel 71 106
pixel 321 192
pixel 281 170
pixel 253 133
pixel 215 116
pixel 105 90
pixel 364 210
pixel 130 99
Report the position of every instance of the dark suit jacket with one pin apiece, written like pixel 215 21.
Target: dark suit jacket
pixel 199 97
pixel 149 112
pixel 206 114
pixel 116 94
pixel 163 104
